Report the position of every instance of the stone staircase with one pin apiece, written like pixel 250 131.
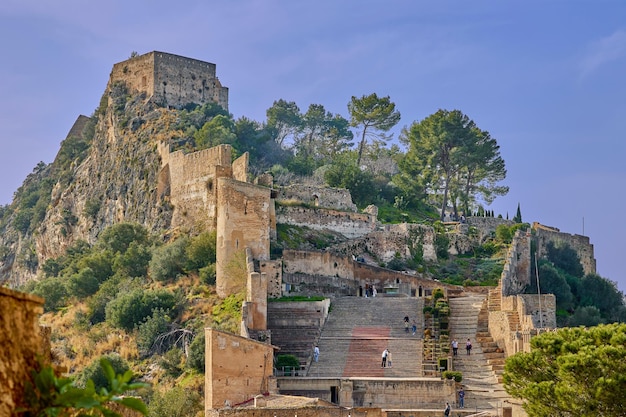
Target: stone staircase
pixel 482 369
pixel 358 330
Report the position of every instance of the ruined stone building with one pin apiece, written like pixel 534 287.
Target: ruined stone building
pixel 171 80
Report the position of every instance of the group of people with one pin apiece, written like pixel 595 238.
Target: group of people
pixel 455 347
pixel 413 325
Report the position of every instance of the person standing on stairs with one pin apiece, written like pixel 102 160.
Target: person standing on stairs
pixel 406 324
pixel 389 358
pixel 461 398
pixel 414 327
pixel 455 347
pixel 468 346
pixel 384 362
pixel 446 411
pixel 316 353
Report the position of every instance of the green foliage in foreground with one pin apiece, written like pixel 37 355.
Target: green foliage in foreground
pixel 572 372
pixel 48 395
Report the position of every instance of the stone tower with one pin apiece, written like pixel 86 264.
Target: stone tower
pixel 171 80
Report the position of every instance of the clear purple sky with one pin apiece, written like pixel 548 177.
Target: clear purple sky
pixel 546 78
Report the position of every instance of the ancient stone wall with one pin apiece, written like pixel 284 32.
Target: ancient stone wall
pixel 243 221
pixel 385 393
pixel 584 249
pixel 190 179
pixel 315 273
pixel 274 272
pixel 518 321
pixel 330 198
pixel 516 272
pixel 21 341
pixel 256 296
pixel 391 240
pixel 486 226
pixel 237 368
pixel 171 80
pixel 349 224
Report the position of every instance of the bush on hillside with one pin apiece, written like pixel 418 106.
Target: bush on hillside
pixel 195 360
pixel 175 402
pixel 95 372
pixel 129 310
pixel 168 262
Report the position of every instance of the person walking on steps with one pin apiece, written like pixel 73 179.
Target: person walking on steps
pixel 455 347
pixel 389 358
pixel 384 362
pixel 414 327
pixel 461 398
pixel 316 353
pixel 446 411
pixel 468 346
pixel 406 324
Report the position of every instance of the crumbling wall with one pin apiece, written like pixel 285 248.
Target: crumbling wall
pixel 237 368
pixel 584 249
pixel 516 272
pixel 349 224
pixel 486 226
pixel 330 198
pixel 21 341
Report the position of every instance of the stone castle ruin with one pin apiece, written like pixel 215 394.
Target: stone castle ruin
pixel 208 190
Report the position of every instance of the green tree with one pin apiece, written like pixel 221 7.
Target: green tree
pixel 518 215
pixel 375 115
pixel 344 173
pixel 118 237
pixel 283 120
pixel 571 372
pixel 603 294
pixel 219 130
pixel 451 159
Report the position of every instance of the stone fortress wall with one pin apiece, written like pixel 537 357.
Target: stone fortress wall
pixel 580 244
pixel 171 80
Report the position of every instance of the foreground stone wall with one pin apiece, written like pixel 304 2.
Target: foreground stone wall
pixel 237 369
pixel 21 342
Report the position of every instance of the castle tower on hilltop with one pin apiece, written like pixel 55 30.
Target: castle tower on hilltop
pixel 171 80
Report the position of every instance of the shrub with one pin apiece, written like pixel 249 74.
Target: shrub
pixel 97 303
pixel 171 362
pixel 82 284
pixel 153 326
pixel 134 262
pixel 457 376
pixel 118 237
pixel 195 360
pixel 201 251
pixel 94 371
pixel 53 291
pixel 129 310
pixel 208 274
pixel 169 261
pixel 175 402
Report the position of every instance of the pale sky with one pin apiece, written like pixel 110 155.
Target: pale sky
pixel 547 79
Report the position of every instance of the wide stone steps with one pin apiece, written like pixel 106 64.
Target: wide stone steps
pixel 359 329
pixel 482 368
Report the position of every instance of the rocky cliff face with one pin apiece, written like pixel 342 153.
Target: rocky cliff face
pixel 115 181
